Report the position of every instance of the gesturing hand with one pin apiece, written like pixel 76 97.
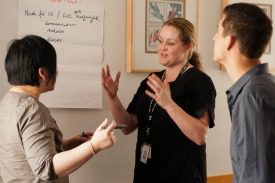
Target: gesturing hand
pixel 110 85
pixel 104 136
pixel 161 91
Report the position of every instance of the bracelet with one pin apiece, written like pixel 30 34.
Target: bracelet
pixel 92 147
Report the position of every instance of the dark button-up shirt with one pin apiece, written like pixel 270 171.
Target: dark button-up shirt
pixel 251 102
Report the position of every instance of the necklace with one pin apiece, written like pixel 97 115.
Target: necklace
pixel 151 109
pixel 184 68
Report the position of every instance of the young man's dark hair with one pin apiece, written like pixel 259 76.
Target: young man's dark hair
pixel 24 58
pixel 242 21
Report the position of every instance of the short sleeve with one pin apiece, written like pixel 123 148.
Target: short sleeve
pixel 37 129
pixel 132 107
pixel 201 97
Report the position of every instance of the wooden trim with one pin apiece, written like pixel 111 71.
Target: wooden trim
pixel 228 178
pixel 223 5
pixel 129 34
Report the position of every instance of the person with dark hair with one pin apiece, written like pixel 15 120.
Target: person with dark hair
pixel 172 110
pixel 243 34
pixel 32 148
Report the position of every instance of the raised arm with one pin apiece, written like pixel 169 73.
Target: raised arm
pixel 120 114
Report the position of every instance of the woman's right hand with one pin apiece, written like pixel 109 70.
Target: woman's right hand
pixel 104 136
pixel 110 85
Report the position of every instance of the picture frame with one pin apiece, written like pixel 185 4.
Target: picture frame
pixel 267 6
pixel 142 26
pixel 156 13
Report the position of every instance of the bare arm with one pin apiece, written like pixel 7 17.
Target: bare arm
pixel 119 112
pixel 195 129
pixel 68 161
pixel 122 116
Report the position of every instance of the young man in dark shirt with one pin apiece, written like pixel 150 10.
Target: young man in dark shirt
pixel 243 34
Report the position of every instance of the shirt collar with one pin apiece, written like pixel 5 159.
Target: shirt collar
pixel 257 70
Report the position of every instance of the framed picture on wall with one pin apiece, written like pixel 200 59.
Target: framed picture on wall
pixel 266 6
pixel 144 19
pixel 156 13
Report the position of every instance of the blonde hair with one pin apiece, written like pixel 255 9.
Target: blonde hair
pixel 187 36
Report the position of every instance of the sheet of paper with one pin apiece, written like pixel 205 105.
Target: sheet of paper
pixel 78 83
pixel 75 29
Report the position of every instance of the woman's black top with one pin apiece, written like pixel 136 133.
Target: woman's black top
pixel 174 157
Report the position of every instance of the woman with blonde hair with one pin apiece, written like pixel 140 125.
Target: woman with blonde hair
pixel 172 110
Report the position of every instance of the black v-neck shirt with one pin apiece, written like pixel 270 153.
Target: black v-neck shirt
pixel 175 158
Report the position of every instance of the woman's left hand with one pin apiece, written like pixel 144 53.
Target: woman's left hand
pixel 161 91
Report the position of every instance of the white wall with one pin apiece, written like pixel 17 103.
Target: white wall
pixel 116 164
pixel 218 139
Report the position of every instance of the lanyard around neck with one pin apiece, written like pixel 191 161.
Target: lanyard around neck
pixel 153 103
